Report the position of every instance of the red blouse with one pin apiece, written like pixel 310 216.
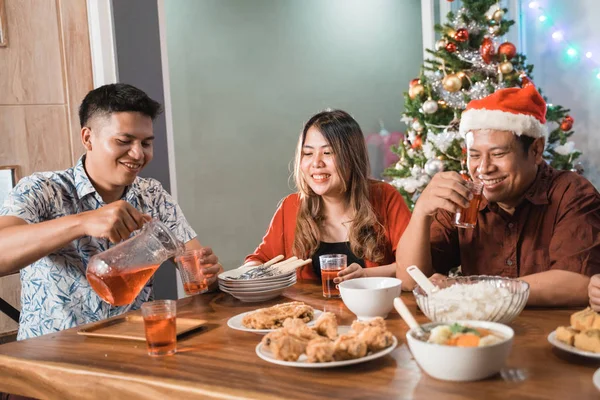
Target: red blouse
pixel 388 204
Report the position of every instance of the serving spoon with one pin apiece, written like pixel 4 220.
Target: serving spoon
pixel 422 280
pixel 407 316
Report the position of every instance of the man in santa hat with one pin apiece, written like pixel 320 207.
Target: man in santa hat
pixel 534 223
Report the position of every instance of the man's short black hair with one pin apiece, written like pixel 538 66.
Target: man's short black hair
pixel 117 97
pixel 525 142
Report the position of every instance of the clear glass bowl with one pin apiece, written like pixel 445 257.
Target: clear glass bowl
pixel 496 299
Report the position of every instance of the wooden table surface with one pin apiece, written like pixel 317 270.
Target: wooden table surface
pixel 219 362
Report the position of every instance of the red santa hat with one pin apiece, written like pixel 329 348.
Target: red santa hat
pixel 522 111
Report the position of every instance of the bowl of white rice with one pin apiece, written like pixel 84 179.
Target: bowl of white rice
pixel 477 297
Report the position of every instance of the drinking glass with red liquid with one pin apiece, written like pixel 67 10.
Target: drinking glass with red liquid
pixel 331 264
pixel 467 217
pixel 160 326
pixel 192 273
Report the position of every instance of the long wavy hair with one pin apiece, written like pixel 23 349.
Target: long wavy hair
pixel 365 233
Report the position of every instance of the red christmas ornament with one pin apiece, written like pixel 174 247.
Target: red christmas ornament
pixel 507 49
pixel 569 118
pixel 414 82
pixel 461 35
pixel 525 81
pixel 487 50
pixel 566 125
pixel 450 47
pixel 464 150
pixel 417 143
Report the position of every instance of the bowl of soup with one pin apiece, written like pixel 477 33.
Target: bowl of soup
pixel 461 351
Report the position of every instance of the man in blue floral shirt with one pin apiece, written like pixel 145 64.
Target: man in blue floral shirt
pixel 53 222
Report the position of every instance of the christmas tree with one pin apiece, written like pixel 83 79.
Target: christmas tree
pixel 468 63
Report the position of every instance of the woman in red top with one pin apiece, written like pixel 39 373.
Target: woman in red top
pixel 337 208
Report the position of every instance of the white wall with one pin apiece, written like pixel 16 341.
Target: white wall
pixel 572 84
pixel 244 77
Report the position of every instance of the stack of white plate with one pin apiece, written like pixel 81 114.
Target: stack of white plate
pixel 254 290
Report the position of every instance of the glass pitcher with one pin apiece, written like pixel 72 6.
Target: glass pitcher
pixel 118 274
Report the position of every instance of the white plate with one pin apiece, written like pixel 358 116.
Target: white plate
pixel 596 379
pixel 258 297
pixel 230 275
pixel 236 323
pixel 563 346
pixel 259 291
pixel 259 287
pixel 266 355
pixel 251 284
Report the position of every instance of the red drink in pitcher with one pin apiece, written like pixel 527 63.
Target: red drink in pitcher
pixel 120 288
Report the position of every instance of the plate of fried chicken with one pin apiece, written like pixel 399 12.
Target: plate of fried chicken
pixel 265 320
pixel 326 345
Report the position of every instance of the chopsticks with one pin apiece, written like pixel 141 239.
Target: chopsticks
pixel 273 268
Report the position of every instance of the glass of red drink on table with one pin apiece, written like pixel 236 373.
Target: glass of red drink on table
pixel 331 264
pixel 160 324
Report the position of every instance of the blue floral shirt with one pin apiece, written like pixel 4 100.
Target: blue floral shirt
pixel 55 293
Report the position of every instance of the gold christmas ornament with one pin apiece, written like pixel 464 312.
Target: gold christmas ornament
pixel 416 91
pixel 452 83
pixel 498 15
pixel 506 67
pixel 441 44
pixel 442 157
pixel 493 30
pixel 451 32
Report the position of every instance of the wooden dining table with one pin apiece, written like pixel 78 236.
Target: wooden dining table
pixel 218 362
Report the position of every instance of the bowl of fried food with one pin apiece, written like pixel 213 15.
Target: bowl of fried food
pixel 326 344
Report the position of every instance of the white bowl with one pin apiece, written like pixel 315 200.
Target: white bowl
pixel 370 297
pixel 460 364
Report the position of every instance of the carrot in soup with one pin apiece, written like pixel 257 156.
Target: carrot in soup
pixel 467 340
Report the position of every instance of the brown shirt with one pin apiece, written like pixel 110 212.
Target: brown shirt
pixel 556 226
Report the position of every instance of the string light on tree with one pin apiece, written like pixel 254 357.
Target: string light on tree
pixel 558 35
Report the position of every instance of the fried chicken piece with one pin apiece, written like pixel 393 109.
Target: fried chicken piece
pixel 320 349
pixel 297 327
pixel 348 347
pixel 376 338
pixel 588 340
pixel 358 326
pixel 326 325
pixel 273 317
pixel 566 334
pixel 284 346
pixel 585 319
